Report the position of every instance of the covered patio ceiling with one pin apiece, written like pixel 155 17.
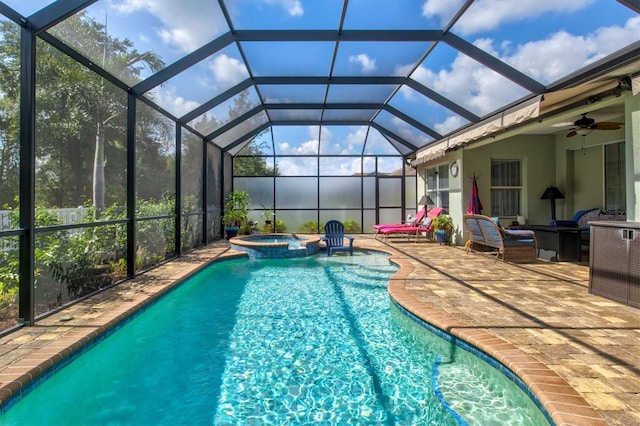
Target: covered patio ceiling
pixel 405 74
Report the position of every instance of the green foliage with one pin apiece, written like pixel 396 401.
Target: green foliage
pixel 9 278
pixel 236 208
pixel 443 222
pixel 80 115
pixel 252 158
pixel 85 259
pixel 267 228
pixel 280 226
pixel 246 228
pixel 155 238
pixel 311 227
pixel 267 212
pixel 351 226
pixel 251 166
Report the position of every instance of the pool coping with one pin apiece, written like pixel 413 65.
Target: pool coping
pixel 257 248
pixel 563 404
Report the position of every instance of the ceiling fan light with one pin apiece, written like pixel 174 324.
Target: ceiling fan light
pixel 584 131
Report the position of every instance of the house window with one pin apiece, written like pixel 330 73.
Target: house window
pixel 438 185
pixel 506 188
pixel 614 177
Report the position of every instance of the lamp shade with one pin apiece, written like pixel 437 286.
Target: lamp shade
pixel 552 193
pixel 425 200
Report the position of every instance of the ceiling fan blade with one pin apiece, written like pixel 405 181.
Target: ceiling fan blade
pixel 607 126
pixel 572 133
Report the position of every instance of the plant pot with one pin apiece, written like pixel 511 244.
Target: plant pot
pixel 442 236
pixel 231 231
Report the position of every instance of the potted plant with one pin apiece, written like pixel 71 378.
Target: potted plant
pixel 247 227
pixel 267 213
pixel 236 208
pixel 443 227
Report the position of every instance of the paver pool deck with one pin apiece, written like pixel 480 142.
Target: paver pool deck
pixel 579 353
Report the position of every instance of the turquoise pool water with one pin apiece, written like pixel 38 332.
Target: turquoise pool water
pixel 276 246
pixel 254 342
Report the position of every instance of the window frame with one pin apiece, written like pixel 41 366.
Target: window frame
pixel 496 209
pixel 440 194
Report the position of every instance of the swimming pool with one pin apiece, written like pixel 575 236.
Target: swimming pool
pixel 276 246
pixel 313 340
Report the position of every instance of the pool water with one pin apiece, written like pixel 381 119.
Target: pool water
pixel 256 342
pixel 276 246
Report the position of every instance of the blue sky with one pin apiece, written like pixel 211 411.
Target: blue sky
pixel 544 39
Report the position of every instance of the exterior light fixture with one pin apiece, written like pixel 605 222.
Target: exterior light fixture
pixel 584 131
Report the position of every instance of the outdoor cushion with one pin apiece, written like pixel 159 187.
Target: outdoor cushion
pixel 514 246
pixel 411 220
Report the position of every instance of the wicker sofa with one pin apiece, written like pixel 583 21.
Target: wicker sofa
pixel 582 218
pixel 485 234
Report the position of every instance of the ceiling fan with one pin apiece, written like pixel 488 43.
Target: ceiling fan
pixel 585 125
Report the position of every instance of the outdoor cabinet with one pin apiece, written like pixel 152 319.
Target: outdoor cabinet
pixel 614 265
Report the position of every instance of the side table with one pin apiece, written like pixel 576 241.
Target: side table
pixel 566 241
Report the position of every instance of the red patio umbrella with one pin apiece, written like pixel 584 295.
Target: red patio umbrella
pixel 475 206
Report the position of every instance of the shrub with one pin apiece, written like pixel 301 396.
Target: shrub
pixel 311 227
pixel 351 226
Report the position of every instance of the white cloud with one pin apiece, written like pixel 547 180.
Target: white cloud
pixel 486 15
pixel 309 147
pixel 378 144
pixel 408 93
pixel 325 134
pixel 186 24
pixel 562 53
pixel 165 96
pixel 350 145
pixel 228 71
pixel 367 64
pixel 294 166
pixel 450 124
pixel 346 166
pixel 470 84
pixel 293 7
pixel 482 91
pixel 441 10
pixel 356 138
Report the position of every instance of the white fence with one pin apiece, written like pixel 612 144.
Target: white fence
pixel 68 216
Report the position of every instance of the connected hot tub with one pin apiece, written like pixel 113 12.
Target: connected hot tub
pixel 276 246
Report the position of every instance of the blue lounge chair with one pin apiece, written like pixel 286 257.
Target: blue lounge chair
pixel 334 238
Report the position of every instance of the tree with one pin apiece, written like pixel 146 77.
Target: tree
pixel 117 56
pixel 251 162
pixel 9 113
pixel 75 106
